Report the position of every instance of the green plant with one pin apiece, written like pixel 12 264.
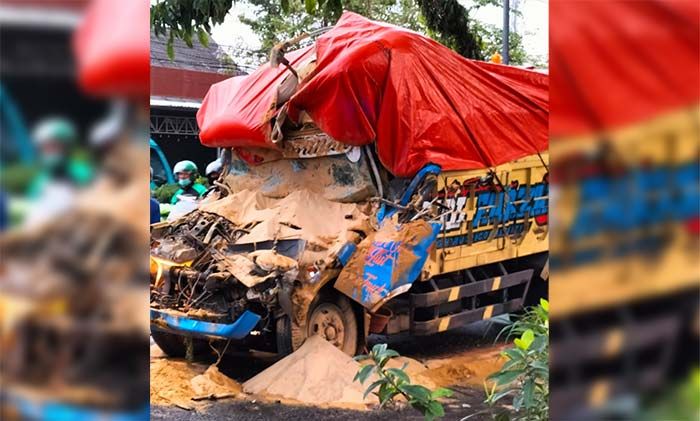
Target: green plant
pixel 393 382
pixel 525 374
pixel 677 402
pixel 164 193
pixel 202 180
pixel 17 178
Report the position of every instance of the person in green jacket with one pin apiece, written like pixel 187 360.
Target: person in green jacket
pixel 56 139
pixel 186 174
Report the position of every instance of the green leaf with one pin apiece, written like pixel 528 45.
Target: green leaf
pixel 436 409
pixel 525 340
pixel 378 349
pixel 391 353
pixel 540 365
pixel 386 393
pixel 514 354
pixel 310 6
pixel 539 343
pixel 203 37
pixel 416 391
pixel 497 396
pixel 504 377
pixel 361 357
pixel 187 37
pixel 202 6
pixel 441 392
pixel 371 387
pixel 513 365
pixel 399 374
pixel 169 48
pixel 385 356
pixel 528 390
pixel 544 304
pixel 363 373
pixel 285 6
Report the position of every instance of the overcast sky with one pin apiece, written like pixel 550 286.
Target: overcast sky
pixel 533 25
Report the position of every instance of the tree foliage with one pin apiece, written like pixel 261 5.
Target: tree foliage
pixel 186 18
pixel 448 21
pixel 491 38
pixel 274 23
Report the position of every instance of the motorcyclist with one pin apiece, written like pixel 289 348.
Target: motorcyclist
pixel 55 138
pixel 55 187
pixel 213 171
pixel 186 174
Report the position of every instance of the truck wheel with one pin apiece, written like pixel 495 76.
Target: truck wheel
pixel 333 318
pixel 174 345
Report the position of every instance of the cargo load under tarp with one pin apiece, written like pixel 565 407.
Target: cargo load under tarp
pixel 420 101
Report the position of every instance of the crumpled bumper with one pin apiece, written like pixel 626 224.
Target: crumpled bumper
pixel 186 326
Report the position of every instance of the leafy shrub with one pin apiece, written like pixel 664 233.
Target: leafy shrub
pixel 202 180
pixel 393 382
pixel 164 193
pixel 524 377
pixel 678 402
pixel 17 178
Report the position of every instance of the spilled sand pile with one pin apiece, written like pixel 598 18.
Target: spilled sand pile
pixel 212 383
pixel 177 382
pixel 317 373
pixel 470 368
pixel 414 369
pixel 170 382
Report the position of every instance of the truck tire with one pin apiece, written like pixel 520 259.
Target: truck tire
pixel 174 345
pixel 331 316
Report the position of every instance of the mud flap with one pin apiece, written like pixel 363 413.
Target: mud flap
pixel 388 259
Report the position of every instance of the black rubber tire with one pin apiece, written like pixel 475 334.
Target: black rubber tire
pixel 284 334
pixel 174 345
pixel 290 338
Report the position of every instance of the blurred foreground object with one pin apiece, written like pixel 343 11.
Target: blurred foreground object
pixel 61 172
pixel 73 320
pixel 113 49
pixel 625 144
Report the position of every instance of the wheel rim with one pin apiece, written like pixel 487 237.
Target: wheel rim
pixel 327 321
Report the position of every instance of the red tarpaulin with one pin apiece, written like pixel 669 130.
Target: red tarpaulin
pixel 615 63
pixel 112 48
pixel 419 100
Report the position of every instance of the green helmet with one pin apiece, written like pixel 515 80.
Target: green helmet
pixel 185 166
pixel 55 129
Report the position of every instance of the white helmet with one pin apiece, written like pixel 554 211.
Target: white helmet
pixel 214 166
pixel 186 165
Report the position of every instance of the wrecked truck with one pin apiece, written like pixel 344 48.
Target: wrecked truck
pixel 374 182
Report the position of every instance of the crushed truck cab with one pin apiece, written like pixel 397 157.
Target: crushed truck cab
pixel 378 183
pixel 442 250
